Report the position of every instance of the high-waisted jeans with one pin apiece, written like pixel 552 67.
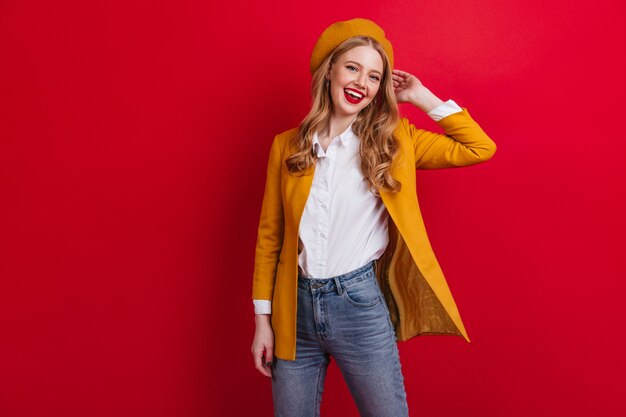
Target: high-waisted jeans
pixel 345 317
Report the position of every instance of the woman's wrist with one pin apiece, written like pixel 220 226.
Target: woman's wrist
pixel 262 319
pixel 425 99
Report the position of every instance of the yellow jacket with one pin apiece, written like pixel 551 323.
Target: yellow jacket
pixel 409 275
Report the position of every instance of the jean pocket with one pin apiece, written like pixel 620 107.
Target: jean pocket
pixel 362 294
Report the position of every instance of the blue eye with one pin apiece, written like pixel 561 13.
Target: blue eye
pixel 353 67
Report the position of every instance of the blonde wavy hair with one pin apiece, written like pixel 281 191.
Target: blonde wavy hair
pixel 374 125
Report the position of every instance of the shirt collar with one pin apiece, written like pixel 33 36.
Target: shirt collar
pixel 344 139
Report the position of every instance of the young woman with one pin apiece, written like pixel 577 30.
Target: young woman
pixel 343 265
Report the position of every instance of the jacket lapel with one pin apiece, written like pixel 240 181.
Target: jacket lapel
pixel 297 189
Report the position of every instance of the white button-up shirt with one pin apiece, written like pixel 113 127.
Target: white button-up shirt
pixel 343 225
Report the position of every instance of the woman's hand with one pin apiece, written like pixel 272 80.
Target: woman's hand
pixel 409 89
pixel 263 342
pixel 405 86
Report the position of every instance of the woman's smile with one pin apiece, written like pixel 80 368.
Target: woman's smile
pixel 353 96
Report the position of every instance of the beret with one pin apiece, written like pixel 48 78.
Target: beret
pixel 338 32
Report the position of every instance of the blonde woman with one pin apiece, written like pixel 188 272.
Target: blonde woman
pixel 343 265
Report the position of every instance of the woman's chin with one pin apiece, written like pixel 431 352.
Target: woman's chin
pixel 349 110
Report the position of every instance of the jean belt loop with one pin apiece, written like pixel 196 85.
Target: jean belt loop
pixel 338 284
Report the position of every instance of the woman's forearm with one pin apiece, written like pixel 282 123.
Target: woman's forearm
pixel 425 99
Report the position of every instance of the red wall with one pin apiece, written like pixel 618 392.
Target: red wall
pixel 133 146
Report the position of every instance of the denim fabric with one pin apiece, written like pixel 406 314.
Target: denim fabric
pixel 344 317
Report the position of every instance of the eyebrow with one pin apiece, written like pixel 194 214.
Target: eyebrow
pixel 354 62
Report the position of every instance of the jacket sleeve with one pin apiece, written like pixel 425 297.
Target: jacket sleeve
pixel 464 143
pixel 270 232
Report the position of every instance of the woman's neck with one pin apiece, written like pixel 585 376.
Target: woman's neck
pixel 338 124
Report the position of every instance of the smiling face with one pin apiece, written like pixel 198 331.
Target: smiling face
pixel 355 79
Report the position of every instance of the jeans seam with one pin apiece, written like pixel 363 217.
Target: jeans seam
pixel 318 394
pixel 386 307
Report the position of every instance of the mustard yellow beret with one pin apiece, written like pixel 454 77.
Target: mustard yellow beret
pixel 338 32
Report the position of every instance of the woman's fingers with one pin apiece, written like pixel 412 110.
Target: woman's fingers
pixel 269 355
pixel 398 79
pixel 400 72
pixel 259 365
pixel 401 76
pixel 398 84
pixel 269 359
pixel 258 362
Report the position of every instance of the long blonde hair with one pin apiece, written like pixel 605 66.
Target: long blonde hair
pixel 374 125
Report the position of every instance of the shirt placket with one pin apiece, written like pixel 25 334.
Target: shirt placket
pixel 323 219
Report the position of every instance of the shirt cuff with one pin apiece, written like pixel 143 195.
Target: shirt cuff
pixel 262 306
pixel 443 110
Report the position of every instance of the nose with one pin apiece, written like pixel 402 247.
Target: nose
pixel 360 81
pixel 362 77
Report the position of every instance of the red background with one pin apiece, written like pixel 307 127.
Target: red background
pixel 133 144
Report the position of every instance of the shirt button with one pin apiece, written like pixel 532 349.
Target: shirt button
pixel 322 234
pixel 323 205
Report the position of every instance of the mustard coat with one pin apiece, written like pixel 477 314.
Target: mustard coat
pixel 409 275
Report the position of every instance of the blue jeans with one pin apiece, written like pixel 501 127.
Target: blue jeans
pixel 345 317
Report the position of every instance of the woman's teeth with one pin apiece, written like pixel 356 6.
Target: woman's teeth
pixel 353 96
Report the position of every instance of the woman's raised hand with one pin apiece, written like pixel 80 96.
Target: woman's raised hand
pixel 409 89
pixel 263 343
pixel 405 85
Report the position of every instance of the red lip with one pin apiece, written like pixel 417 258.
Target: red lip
pixel 356 91
pixel 351 99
